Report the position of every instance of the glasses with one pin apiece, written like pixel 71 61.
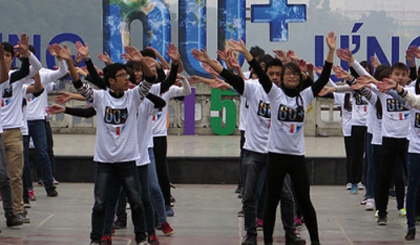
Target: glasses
pixel 289 74
pixel 123 75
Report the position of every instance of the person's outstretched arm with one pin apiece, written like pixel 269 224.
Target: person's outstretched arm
pixel 97 80
pixel 156 100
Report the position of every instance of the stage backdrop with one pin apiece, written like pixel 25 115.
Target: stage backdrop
pixel 384 28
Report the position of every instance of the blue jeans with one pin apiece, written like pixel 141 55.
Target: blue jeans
pixel 109 178
pixel 5 188
pixel 39 136
pixel 370 161
pixel 413 182
pixel 155 191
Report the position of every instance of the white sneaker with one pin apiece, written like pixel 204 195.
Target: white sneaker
pixel 364 201
pixel 360 186
pixel 402 212
pixel 370 204
pixel 348 186
pixel 377 214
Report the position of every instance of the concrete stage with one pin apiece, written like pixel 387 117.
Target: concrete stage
pixel 205 215
pixel 200 159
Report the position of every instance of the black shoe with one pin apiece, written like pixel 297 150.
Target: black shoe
pixel 172 199
pixel 238 190
pixel 411 234
pixel 119 224
pixel 14 220
pixel 250 240
pixel 51 192
pixel 315 243
pixel 381 221
pixel 293 239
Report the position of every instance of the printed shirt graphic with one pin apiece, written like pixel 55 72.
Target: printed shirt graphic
pixel 359 110
pixel 286 132
pixel 395 117
pixel 117 124
pixel 11 105
pixel 258 118
pixel 345 114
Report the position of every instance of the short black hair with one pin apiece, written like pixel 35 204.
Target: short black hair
pixel 273 62
pixel 385 73
pixel 379 69
pixel 266 59
pixel 366 65
pixel 130 72
pixel 8 48
pixel 399 66
pixel 133 65
pixel 257 52
pixel 148 53
pixel 111 70
pixel 32 49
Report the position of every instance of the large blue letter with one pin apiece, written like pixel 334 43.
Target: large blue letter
pixel 278 13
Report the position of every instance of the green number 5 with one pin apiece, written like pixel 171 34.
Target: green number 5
pixel 217 105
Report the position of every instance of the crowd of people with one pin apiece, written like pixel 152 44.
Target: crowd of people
pixel 380 112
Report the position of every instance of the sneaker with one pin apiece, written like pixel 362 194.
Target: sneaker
pixel 293 239
pixel 14 220
pixel 152 239
pixel 363 201
pixel 32 196
pixel 250 240
pixel 392 193
pixel 360 186
pixel 144 242
pixel 172 199
pixel 402 212
pixel 377 214
pixel 106 240
pixel 353 189
pixel 40 182
pixel 259 224
pixel 25 219
pixel 298 222
pixel 238 190
pixel 119 224
pixel 169 211
pixel 27 205
pixel 95 243
pixel 51 192
pixel 55 182
pixel 348 186
pixel 167 229
pixel 381 221
pixel 241 213
pixel 411 234
pixel 370 204
pixel 240 195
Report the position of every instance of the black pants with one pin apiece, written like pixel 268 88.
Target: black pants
pixel 278 166
pixel 241 173
pixel 393 150
pixel 347 145
pixel 50 145
pixel 160 147
pixel 358 139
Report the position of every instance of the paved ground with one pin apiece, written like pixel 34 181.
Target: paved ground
pixel 179 146
pixel 205 215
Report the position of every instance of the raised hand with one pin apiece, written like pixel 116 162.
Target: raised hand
pixel 194 79
pixel 340 73
pixel 62 97
pixel 238 46
pixel 132 54
pixel 209 69
pixel 302 65
pixel 233 62
pixel 374 61
pixel 318 69
pixel 281 56
pixel 326 90
pixel 50 48
pixel 410 56
pixel 200 55
pixel 345 54
pixel 218 83
pixel 55 109
pixel 173 53
pixel 416 51
pixel 310 67
pixel 366 80
pixel 63 53
pixel 105 58
pixel 331 40
pixel 386 84
pixel 1 51
pixel 223 55
pixel 24 45
pixel 292 56
pixel 82 49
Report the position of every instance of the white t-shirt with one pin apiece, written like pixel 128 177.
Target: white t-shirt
pixel 375 123
pixel 345 114
pixel 359 110
pixel 414 146
pixel 286 132
pixel 258 118
pixel 145 131
pixel 2 86
pixel 11 104
pixel 24 129
pixel 159 120
pixel 117 126
pixel 395 117
pixel 243 113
